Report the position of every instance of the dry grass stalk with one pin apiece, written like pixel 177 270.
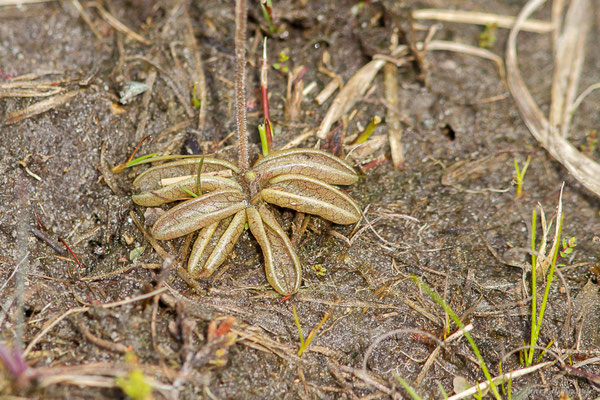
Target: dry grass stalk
pixel 360 82
pixel 470 50
pixel 328 90
pixel 585 170
pixel 40 107
pixel 466 170
pixel 21 2
pixel 28 89
pixel 390 79
pixel 480 18
pixel 557 12
pixel 86 18
pixel 483 386
pixel 146 97
pixel 568 62
pixel 434 354
pixel 349 95
pixel 119 26
pixel 294 94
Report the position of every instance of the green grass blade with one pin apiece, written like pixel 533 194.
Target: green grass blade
pixel 436 297
pixel 412 393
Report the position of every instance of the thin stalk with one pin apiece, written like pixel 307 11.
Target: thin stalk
pixel 540 317
pixel 240 85
pixel 533 288
pixel 436 297
pixel 264 94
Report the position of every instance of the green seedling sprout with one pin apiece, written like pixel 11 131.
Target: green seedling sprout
pixel 568 246
pixel 536 319
pixel 442 391
pixel 366 133
pixel 198 181
pixel 266 129
pixel 189 192
pixel 411 392
pixel 488 36
pixel 357 8
pixel 436 297
pixel 150 158
pixel 520 174
pixel 544 352
pixel 134 384
pixel 298 326
pixel 262 131
pixel 313 333
pixel 195 99
pixel 319 269
pixel 267 9
pixel 280 66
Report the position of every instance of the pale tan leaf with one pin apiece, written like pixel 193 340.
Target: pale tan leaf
pixel 152 177
pixel 214 243
pixel 570 55
pixel 282 265
pixel 197 213
pixel 311 196
pixel 308 162
pixel 349 95
pixel 175 191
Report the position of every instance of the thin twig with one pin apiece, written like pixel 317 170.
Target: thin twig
pixel 479 18
pixel 240 85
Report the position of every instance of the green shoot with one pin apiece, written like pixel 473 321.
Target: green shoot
pixel 280 66
pixel 436 297
pixel 537 318
pixel 319 269
pixel 267 9
pixel 189 192
pixel 139 160
pixel 313 333
pixel 150 158
pixel 298 326
pixel 479 394
pixel 120 168
pixel 262 131
pixel 442 391
pixel 520 175
pixel 366 133
pixel 134 384
pixel 265 130
pixel 357 8
pixel 412 393
pixel 500 373
pixel 568 246
pixel 487 38
pixel 195 99
pixel 544 352
pixel 533 284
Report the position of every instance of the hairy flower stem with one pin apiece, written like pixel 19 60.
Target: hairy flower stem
pixel 240 85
